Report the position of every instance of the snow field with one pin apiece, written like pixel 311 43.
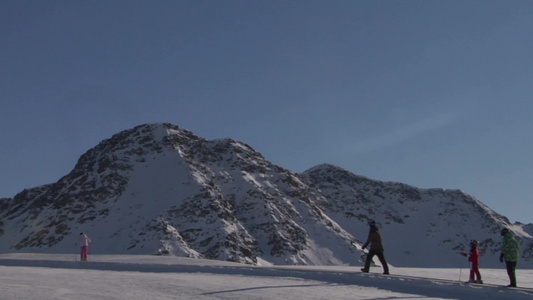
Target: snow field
pixel 53 276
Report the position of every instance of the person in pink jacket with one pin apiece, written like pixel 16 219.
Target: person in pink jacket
pixel 473 257
pixel 84 242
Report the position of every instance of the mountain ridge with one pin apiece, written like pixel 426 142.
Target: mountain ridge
pixel 157 188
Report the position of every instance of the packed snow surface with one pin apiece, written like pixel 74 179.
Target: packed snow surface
pixel 61 276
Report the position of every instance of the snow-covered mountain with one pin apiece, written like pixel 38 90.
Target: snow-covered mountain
pixel 422 227
pixel 157 188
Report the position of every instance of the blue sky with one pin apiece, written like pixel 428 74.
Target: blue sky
pixel 428 93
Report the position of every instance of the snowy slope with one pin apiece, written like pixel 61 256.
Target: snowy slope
pixel 157 188
pixel 40 276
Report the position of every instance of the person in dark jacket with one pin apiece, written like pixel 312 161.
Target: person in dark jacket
pixel 510 254
pixel 376 248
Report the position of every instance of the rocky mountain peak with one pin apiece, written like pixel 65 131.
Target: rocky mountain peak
pixel 157 188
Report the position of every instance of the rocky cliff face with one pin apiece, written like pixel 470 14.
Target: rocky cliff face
pixel 157 188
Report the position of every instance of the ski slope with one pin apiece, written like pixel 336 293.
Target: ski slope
pixel 59 276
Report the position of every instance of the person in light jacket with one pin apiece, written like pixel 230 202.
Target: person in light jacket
pixel 376 248
pixel 84 242
pixel 510 254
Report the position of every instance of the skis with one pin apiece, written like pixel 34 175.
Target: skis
pixel 448 281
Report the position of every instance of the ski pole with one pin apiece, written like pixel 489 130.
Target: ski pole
pixel 460 270
pixel 470 269
pixel 461 266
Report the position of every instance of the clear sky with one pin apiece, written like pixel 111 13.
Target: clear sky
pixel 428 93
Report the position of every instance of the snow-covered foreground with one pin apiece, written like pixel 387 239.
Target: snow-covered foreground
pixel 58 276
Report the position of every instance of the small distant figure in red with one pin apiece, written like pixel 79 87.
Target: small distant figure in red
pixel 473 257
pixel 84 242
